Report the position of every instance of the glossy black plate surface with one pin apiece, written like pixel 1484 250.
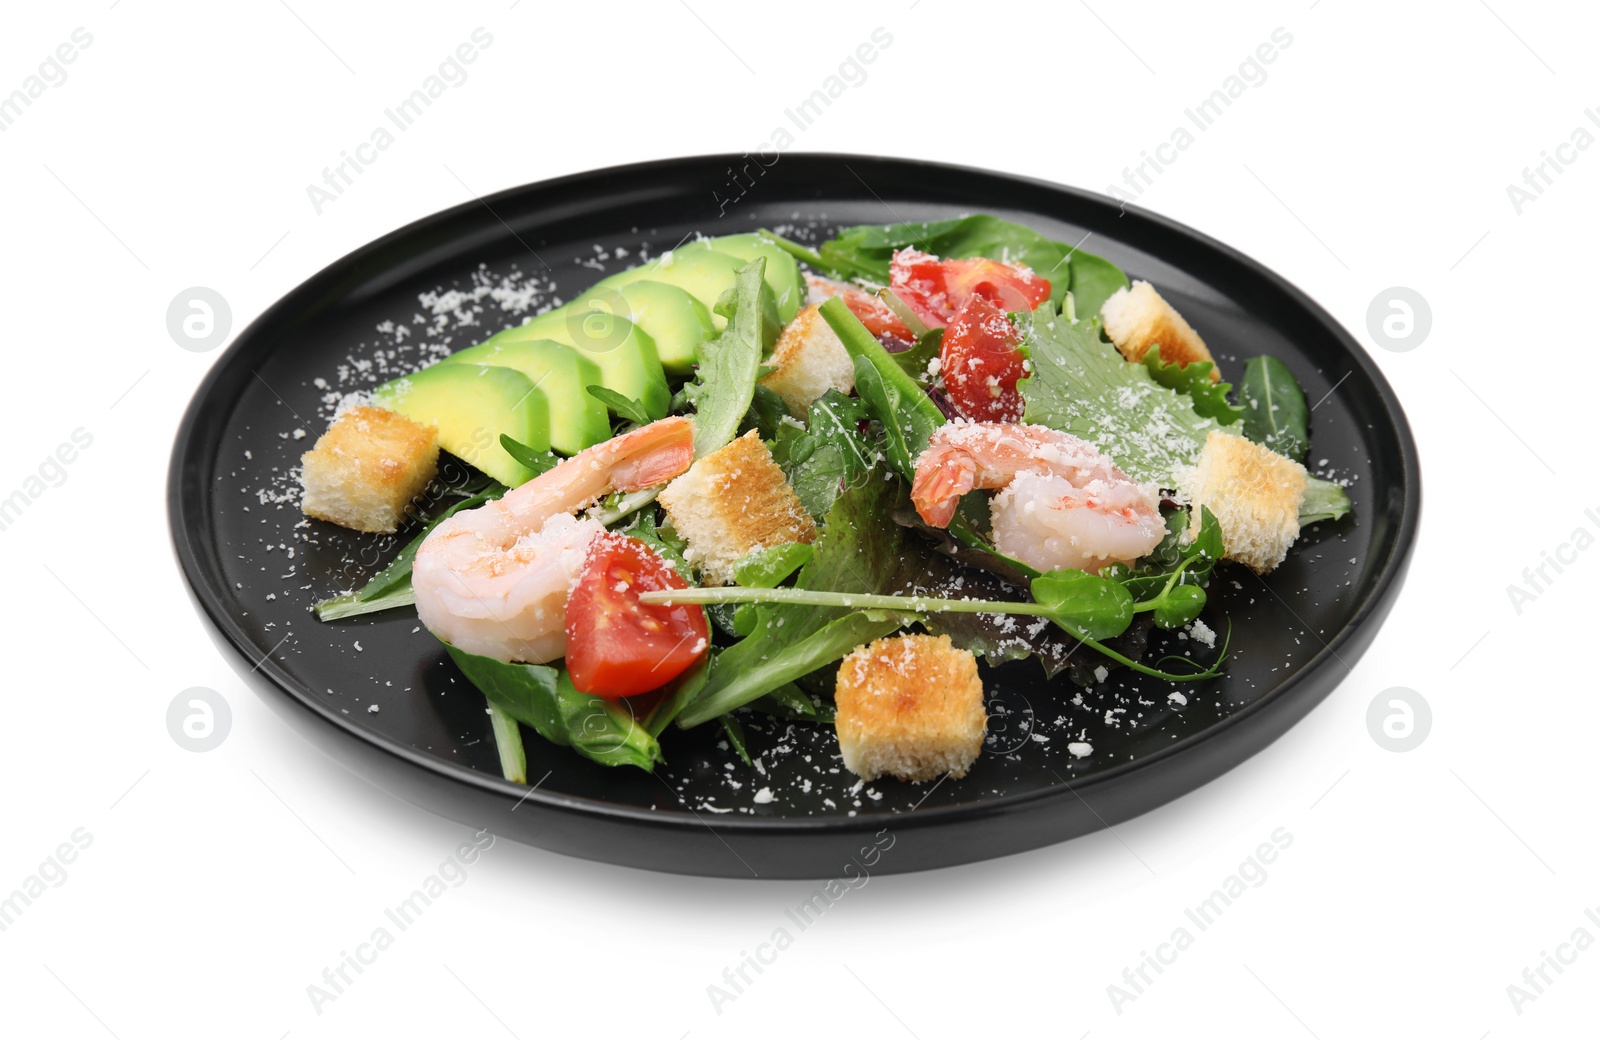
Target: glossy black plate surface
pixel 255 564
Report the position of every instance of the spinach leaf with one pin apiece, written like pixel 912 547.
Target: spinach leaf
pixel 865 252
pixel 1210 396
pixel 1324 500
pixel 1099 608
pixel 1081 384
pixel 543 697
pixel 857 552
pixel 1274 407
pixel 730 364
pixel 1093 282
pixel 733 729
pixel 391 587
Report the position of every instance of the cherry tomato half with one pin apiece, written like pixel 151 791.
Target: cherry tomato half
pixel 617 646
pixel 980 362
pixel 936 289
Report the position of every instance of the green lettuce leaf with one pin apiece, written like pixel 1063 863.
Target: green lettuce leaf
pixel 865 252
pixel 1080 384
pixel 1324 500
pixel 1210 396
pixel 725 381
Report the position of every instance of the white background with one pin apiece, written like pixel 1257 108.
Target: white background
pixel 1376 153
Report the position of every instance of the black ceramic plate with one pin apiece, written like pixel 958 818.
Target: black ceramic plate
pixel 255 564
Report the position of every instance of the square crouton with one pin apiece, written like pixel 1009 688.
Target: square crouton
pixel 366 468
pixel 1137 318
pixel 808 361
pixel 1255 494
pixel 910 706
pixel 732 502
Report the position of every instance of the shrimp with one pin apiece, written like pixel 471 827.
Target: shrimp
pixel 1061 503
pixel 494 580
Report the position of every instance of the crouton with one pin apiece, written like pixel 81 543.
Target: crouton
pixel 1137 319
pixel 807 362
pixel 910 706
pixel 732 502
pixel 366 468
pixel 1255 494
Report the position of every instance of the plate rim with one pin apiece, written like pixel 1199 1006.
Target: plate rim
pixel 190 553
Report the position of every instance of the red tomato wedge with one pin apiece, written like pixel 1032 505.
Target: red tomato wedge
pixel 980 362
pixel 936 289
pixel 617 646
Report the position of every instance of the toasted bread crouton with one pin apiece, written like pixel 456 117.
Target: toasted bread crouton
pixel 909 706
pixel 1137 318
pixel 1255 494
pixel 366 468
pixel 807 362
pixel 732 502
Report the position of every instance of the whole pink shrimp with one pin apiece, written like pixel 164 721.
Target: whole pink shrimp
pixel 494 580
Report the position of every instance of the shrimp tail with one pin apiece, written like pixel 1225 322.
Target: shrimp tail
pixel 939 484
pixel 665 450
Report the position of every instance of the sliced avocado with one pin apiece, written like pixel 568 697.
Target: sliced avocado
pixel 783 275
pixel 678 322
pixel 472 405
pixel 624 353
pixel 701 272
pixel 563 375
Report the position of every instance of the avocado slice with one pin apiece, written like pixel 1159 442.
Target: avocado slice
pixel 471 406
pixel 563 375
pixel 700 271
pixel 783 275
pixel 624 353
pixel 678 322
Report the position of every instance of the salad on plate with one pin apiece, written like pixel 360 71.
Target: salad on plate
pixel 821 483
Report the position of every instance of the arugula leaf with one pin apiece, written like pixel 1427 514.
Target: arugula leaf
pixel 1080 384
pixel 857 552
pixel 1324 500
pixel 664 540
pixel 907 413
pixel 391 587
pixel 826 455
pixel 865 252
pixel 544 698
pixel 536 461
pixel 621 404
pixel 767 412
pixel 1210 396
pixel 730 364
pixel 1274 407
